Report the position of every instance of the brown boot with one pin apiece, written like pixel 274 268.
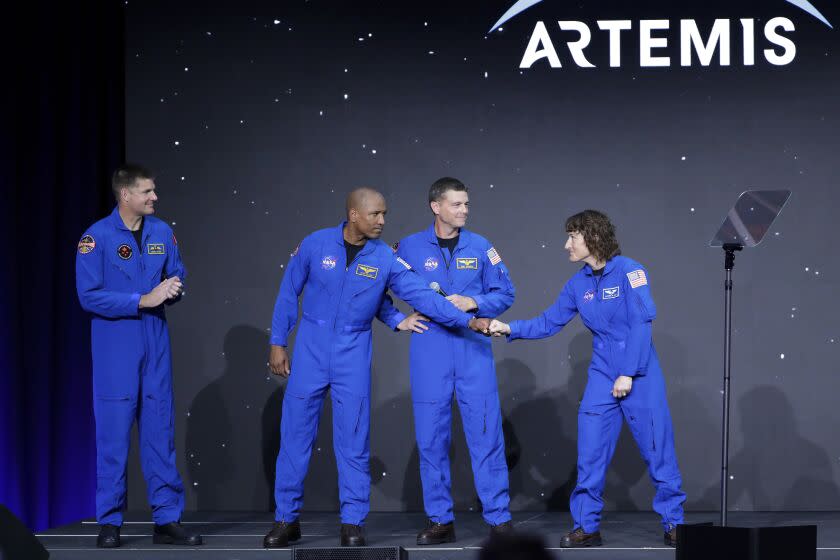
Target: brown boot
pixel 436 533
pixel 579 539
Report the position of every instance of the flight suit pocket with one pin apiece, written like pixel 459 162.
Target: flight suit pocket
pixel 427 417
pixel 114 417
pixel 351 423
pixel 641 426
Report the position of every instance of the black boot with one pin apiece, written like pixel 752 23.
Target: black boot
pixel 109 537
pixel 282 534
pixel 505 528
pixel 579 539
pixel 436 533
pixel 352 535
pixel 175 533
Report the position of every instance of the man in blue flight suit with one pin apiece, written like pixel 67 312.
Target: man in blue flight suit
pixel 127 267
pixel 612 295
pixel 346 272
pixel 448 360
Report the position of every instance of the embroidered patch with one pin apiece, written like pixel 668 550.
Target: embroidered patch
pixel 589 296
pixel 402 262
pixel 494 256
pixel 155 249
pixel 637 278
pixel 86 244
pixel 125 252
pixel 431 264
pixel 395 246
pixel 367 271
pixel 466 264
pixel 610 293
pixel 175 241
pixel 295 252
pixel 328 262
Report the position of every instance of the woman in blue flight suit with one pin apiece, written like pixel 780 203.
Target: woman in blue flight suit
pixel 612 295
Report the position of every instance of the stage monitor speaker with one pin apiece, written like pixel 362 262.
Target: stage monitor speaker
pixel 350 553
pixel 706 541
pixel 16 542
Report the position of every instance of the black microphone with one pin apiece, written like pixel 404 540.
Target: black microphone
pixel 436 287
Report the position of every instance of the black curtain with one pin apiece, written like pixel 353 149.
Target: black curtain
pixel 63 132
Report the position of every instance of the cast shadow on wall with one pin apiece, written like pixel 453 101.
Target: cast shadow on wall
pixel 233 433
pixel 540 430
pixel 771 438
pixel 543 468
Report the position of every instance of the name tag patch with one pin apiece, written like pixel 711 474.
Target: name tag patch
pixel 466 264
pixel 367 271
pixel 610 293
pixel 155 249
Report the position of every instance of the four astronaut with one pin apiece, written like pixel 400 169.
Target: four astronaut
pixel 129 266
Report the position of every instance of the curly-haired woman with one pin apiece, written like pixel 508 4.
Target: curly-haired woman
pixel 612 295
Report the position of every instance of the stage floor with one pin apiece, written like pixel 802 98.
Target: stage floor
pixel 627 536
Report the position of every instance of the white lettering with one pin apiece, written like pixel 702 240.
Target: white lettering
pixel 789 52
pixel 615 27
pixel 540 46
pixel 690 35
pixel 647 43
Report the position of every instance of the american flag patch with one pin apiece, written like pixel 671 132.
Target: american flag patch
pixel 637 278
pixel 494 257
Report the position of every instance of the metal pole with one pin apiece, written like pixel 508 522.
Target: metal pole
pixel 727 365
pixel 727 368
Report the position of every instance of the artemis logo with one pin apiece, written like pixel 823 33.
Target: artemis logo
pixel 653 35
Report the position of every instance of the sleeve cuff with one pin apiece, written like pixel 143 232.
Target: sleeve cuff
pixel 277 340
pixel 135 304
pixel 514 331
pixel 399 317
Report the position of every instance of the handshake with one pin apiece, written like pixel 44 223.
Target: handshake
pixel 489 327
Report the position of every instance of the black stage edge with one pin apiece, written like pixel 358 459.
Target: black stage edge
pixel 704 541
pixel 347 553
pixel 627 536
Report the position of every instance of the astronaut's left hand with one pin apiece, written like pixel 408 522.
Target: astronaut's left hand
pixel 463 303
pixel 622 387
pixel 414 323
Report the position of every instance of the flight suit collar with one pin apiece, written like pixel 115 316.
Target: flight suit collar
pixel 339 238
pixel 464 237
pixel 607 268
pixel 117 222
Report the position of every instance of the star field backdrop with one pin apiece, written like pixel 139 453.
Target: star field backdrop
pixel 258 118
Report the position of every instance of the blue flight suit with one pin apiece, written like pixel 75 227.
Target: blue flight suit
pixel 447 360
pixel 333 350
pixel 132 369
pixel 618 308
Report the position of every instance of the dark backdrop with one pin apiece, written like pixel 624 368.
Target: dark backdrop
pixel 61 135
pixel 242 111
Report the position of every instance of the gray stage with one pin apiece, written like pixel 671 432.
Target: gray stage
pixel 627 536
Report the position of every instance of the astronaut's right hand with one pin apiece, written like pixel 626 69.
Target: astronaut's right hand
pixel 168 289
pixel 278 361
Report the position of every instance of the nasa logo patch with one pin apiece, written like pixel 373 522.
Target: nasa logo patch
pixel 431 264
pixel 328 262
